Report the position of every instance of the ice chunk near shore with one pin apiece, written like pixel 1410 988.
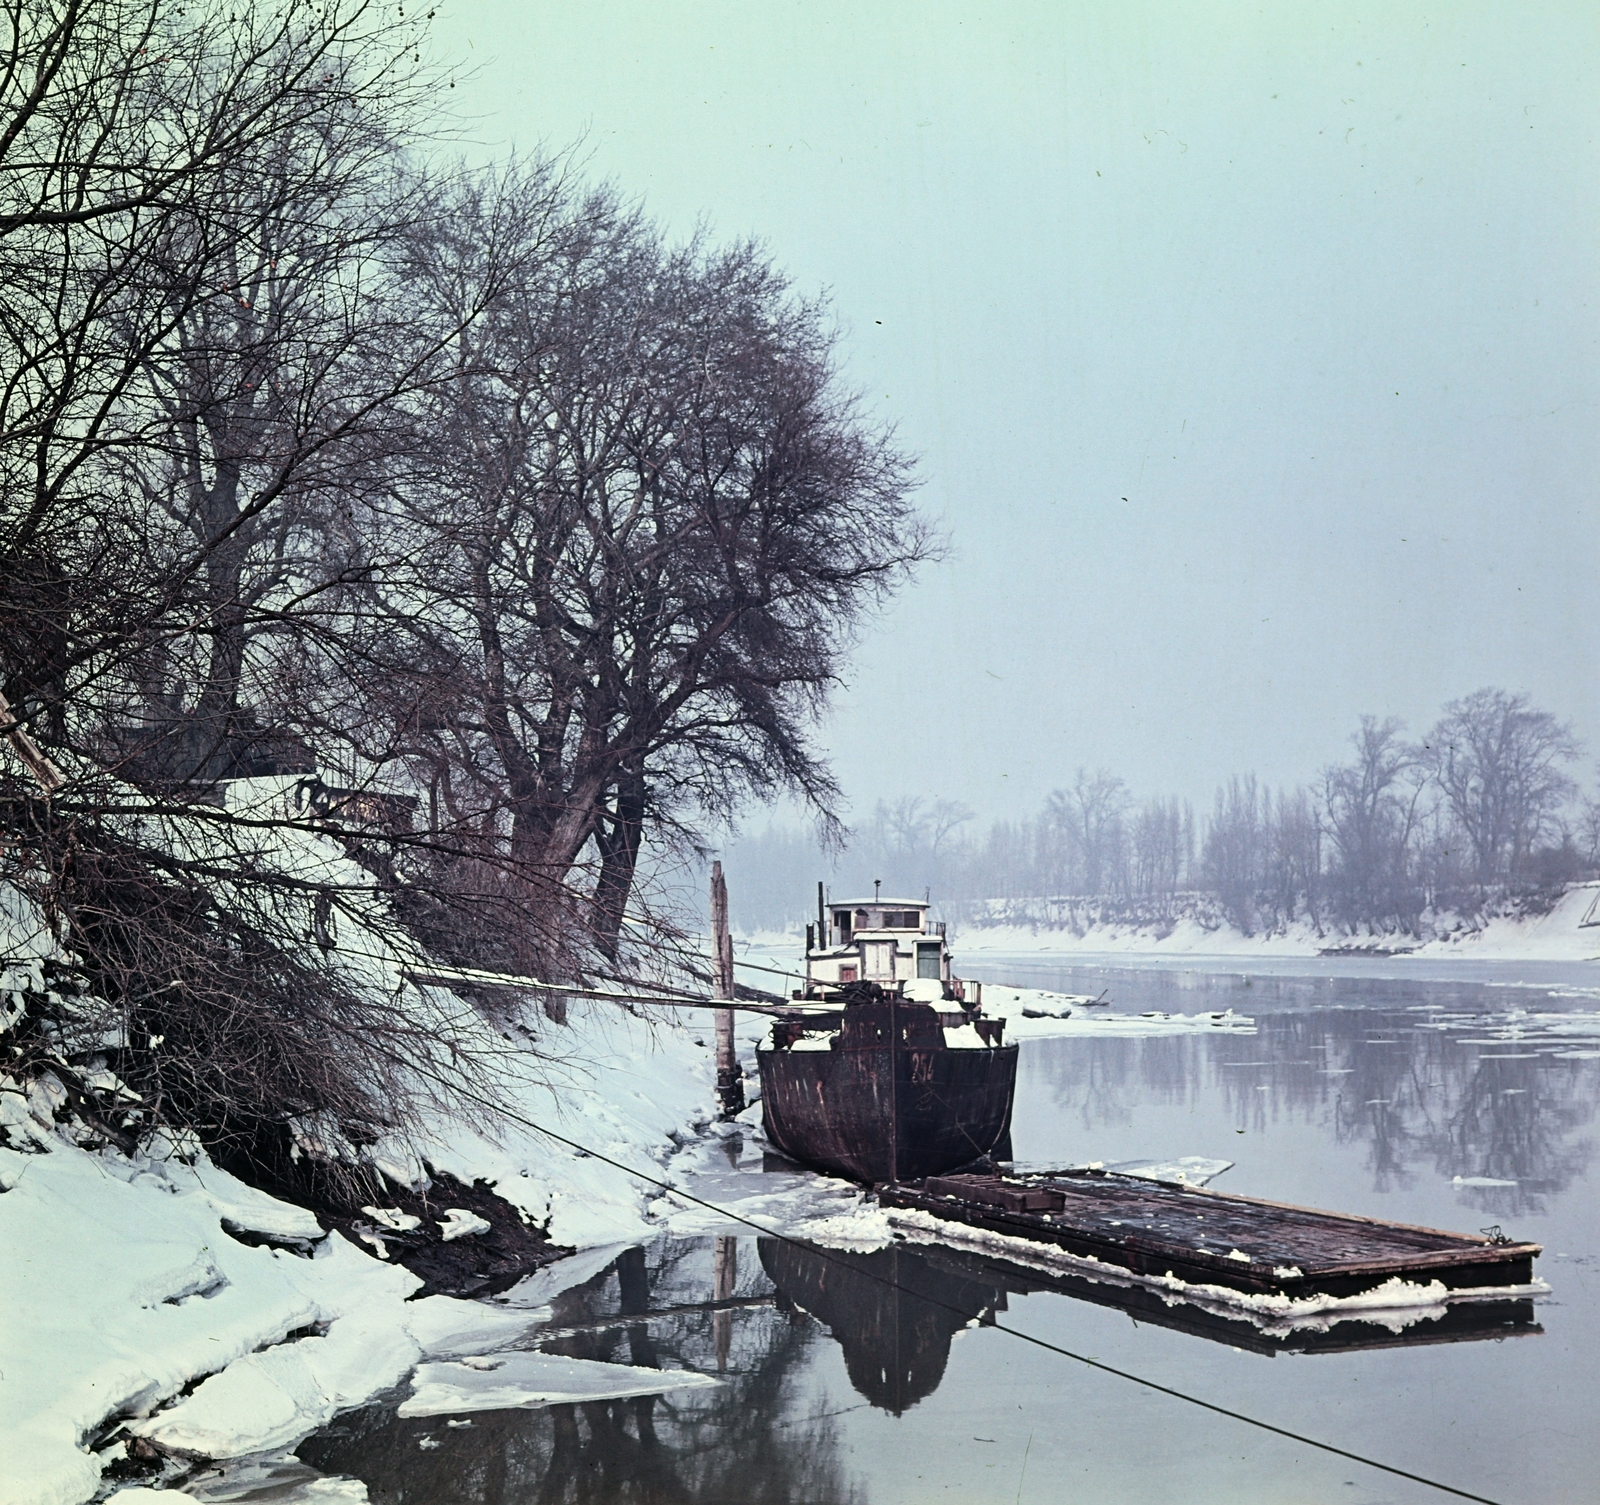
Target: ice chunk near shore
pixel 393 1217
pixel 279 1477
pixel 532 1295
pixel 457 1222
pixel 1186 1170
pixel 507 1381
pixel 269 1399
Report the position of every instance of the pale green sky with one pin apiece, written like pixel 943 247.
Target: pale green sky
pixel 1313 287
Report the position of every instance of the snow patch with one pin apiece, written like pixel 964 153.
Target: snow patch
pixel 457 1222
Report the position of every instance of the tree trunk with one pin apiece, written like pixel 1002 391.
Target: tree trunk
pixel 619 842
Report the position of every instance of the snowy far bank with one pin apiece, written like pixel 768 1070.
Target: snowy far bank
pixel 1567 931
pixel 1194 925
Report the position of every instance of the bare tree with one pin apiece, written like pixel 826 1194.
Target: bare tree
pixel 1163 846
pixel 1588 831
pixel 917 830
pixel 1090 817
pixel 193 205
pixel 1499 764
pixel 1234 854
pixel 127 128
pixel 647 530
pixel 1373 808
pixel 1292 855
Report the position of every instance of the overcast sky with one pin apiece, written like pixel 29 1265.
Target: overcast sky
pixel 1250 351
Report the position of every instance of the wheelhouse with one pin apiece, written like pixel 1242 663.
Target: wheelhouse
pixel 886 941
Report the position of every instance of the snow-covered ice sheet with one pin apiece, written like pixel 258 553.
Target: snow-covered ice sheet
pixel 726 1168
pixel 533 1293
pixel 278 1478
pixel 1036 1014
pixel 503 1381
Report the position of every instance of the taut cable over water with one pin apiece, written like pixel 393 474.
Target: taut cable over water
pixel 1037 1342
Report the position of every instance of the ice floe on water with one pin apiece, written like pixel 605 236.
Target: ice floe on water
pixel 278 1477
pixel 1037 1014
pixel 503 1381
pixel 1187 1170
pixel 533 1294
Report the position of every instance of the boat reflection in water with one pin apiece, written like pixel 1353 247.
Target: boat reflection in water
pixel 753 1316
pixel 895 1312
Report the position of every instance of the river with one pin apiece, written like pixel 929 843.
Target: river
pixel 1459 1101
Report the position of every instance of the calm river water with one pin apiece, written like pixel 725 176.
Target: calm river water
pixel 1359 1092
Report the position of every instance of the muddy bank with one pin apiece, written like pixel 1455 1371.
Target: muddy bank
pixel 460 1238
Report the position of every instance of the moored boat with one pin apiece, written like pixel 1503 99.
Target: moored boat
pixel 892 1074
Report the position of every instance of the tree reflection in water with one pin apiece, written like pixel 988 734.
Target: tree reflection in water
pixel 1410 1070
pixel 751 1439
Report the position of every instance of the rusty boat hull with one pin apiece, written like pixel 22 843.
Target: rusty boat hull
pixel 837 1110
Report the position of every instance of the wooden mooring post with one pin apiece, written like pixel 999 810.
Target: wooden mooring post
pixel 730 1080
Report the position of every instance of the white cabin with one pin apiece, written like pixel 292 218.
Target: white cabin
pixel 886 941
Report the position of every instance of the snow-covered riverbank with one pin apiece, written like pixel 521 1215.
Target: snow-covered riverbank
pixel 1196 927
pixel 129 1280
pixel 160 1299
pixel 133 1296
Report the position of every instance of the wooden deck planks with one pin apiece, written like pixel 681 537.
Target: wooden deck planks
pixel 1246 1243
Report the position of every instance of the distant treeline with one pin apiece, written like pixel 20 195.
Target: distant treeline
pixel 1483 804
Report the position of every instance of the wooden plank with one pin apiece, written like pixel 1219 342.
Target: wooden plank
pixel 995 1193
pixel 1293 1219
pixel 1344 1217
pixel 1157 1228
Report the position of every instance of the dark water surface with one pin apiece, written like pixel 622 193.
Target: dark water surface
pixel 884 1377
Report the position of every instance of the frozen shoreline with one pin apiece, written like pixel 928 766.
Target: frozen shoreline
pixel 1567 934
pixel 1561 935
pixel 125 1287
